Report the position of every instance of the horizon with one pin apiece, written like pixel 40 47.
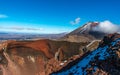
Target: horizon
pixel 52 17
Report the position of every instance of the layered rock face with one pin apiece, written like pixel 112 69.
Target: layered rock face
pixel 105 60
pixel 40 57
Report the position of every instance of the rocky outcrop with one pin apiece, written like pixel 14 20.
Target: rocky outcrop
pixel 104 60
pixel 59 55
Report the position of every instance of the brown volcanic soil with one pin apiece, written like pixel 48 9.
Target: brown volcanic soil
pixel 35 57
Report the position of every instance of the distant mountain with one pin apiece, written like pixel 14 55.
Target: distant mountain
pixel 85 33
pixel 3 33
pixel 24 36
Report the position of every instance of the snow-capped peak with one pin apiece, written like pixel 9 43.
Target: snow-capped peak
pixel 88 26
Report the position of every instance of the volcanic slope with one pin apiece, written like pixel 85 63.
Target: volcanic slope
pixel 86 33
pixel 105 60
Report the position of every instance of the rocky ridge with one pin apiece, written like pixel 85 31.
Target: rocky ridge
pixel 105 60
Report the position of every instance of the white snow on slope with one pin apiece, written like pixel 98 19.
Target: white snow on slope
pixel 86 27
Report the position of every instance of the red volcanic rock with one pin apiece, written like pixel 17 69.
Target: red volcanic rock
pixel 35 57
pixel 40 45
pixel 24 57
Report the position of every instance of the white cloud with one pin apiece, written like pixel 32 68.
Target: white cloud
pixel 75 22
pixel 25 28
pixel 18 27
pixel 3 16
pixel 107 27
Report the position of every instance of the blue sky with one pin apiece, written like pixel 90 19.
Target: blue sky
pixel 55 16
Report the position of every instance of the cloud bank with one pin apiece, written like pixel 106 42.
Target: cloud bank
pixel 21 29
pixel 75 22
pixel 107 27
pixel 26 28
pixel 3 16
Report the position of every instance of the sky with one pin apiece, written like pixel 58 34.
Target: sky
pixel 55 16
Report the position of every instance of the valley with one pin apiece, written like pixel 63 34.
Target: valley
pixel 80 52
